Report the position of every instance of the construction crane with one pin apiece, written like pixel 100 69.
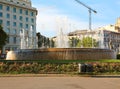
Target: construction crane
pixel 90 11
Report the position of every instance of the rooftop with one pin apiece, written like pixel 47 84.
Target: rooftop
pixel 20 3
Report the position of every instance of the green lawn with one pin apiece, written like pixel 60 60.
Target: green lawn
pixel 63 61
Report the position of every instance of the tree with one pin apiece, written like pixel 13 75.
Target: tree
pixel 40 39
pixel 89 42
pixel 44 41
pixel 85 42
pixel 3 37
pixel 75 42
pixel 52 43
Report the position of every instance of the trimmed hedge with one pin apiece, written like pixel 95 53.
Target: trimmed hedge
pixel 106 67
pixel 56 68
pixel 37 68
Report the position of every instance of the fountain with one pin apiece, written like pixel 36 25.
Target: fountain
pixel 62 52
pixel 62 40
pixel 23 41
pixel 27 41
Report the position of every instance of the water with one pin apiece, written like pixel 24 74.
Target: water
pixel 22 42
pixel 62 40
pixel 27 39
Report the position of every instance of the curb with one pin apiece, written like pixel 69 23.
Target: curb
pixel 105 76
pixel 58 75
pixel 37 75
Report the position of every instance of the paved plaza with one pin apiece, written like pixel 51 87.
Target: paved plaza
pixel 59 83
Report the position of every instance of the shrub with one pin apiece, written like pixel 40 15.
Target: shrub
pixel 43 68
pixel 16 67
pixel 106 67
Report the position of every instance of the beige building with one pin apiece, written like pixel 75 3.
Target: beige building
pixel 108 36
pixel 16 16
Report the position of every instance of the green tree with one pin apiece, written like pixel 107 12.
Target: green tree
pixel 75 42
pixel 89 42
pixel 85 42
pixel 52 43
pixel 41 39
pixel 3 37
pixel 44 41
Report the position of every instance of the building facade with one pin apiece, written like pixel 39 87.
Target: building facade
pixel 108 37
pixel 18 16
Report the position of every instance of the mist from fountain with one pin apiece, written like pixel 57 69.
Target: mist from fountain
pixel 27 37
pixel 62 40
pixel 22 41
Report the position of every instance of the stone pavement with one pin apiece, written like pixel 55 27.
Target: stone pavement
pixel 59 83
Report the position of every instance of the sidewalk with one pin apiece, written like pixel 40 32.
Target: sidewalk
pixel 58 82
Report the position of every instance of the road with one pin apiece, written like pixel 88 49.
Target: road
pixel 59 83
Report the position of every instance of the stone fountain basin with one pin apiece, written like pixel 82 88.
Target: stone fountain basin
pixel 61 54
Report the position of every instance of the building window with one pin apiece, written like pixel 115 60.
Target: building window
pixel 8 23
pixel 1 14
pixel 7 8
pixel 26 12
pixel 23 4
pixel 27 19
pixel 26 26
pixel 1 22
pixel 21 18
pixel 32 14
pixel 14 17
pixel 21 25
pixel 14 40
pixel 33 27
pixel 17 2
pixel 8 30
pixel 14 31
pixel 1 7
pixel 11 0
pixel 32 20
pixel 14 10
pixel 21 11
pixel 7 16
pixel 14 24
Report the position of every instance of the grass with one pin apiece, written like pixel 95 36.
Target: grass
pixel 64 61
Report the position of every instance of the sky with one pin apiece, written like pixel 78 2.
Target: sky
pixel 70 15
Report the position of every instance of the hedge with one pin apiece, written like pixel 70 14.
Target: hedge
pixel 37 68
pixel 106 67
pixel 56 68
